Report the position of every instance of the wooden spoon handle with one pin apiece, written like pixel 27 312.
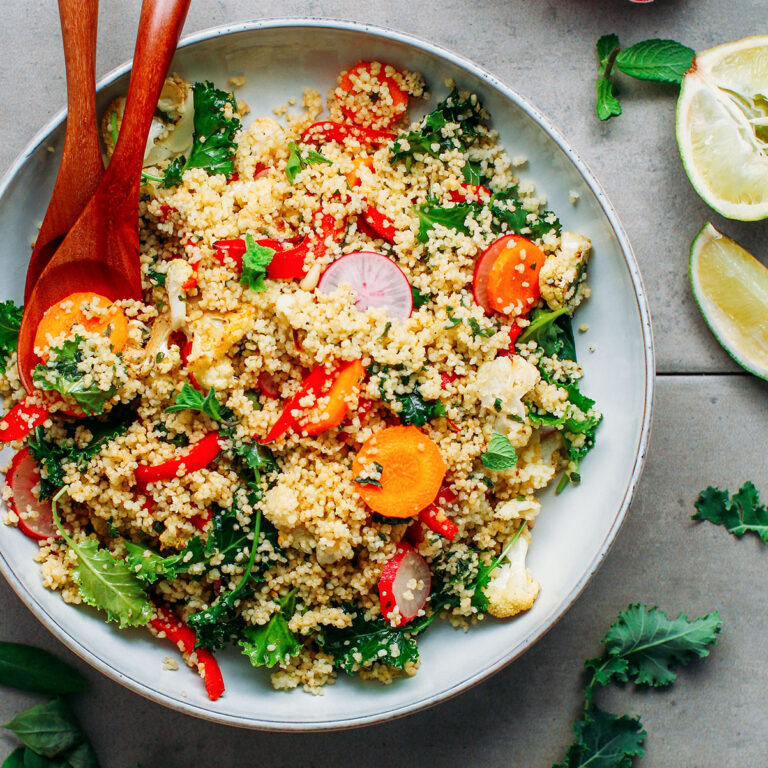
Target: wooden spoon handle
pixel 159 29
pixel 81 166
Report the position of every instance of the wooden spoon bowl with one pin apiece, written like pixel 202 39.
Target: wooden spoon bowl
pixel 101 251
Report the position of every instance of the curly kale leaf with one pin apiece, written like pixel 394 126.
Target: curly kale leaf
pixel 10 323
pixel 51 456
pixel 272 643
pixel 433 135
pixel 213 142
pixel 254 461
pixel 552 332
pixel 61 373
pixel 738 514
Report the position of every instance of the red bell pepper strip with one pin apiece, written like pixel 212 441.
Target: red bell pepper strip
pixel 169 624
pixel 22 419
pixel 475 191
pixel 446 379
pixel 199 455
pixel 288 264
pixel 201 520
pixel 434 517
pixel 185 351
pixel 514 331
pixel 382 225
pixel 313 385
pixel 328 130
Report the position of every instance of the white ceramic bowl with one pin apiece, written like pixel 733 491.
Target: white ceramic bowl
pixel 279 58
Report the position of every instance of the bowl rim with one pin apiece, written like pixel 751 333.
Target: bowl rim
pixel 558 611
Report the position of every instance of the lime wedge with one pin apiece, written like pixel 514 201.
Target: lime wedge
pixel 722 127
pixel 731 288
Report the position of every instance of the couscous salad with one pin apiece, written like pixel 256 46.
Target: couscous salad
pixel 326 422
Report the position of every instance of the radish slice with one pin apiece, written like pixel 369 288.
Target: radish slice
pixel 483 270
pixel 377 281
pixel 35 517
pixel 404 585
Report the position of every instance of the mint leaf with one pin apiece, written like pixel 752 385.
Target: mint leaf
pixel 256 259
pixel 106 583
pixel 272 643
pixel 500 454
pixel 660 60
pixel 607 105
pixel 190 399
pixel 604 740
pixel 742 513
pixel 606 45
pixel 298 161
pixel 652 644
pixel 32 669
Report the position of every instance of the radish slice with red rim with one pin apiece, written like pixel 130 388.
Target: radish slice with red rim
pixel 404 585
pixel 35 516
pixel 376 279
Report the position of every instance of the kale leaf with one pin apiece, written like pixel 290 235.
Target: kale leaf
pixel 254 460
pixel 418 411
pixel 10 323
pixel 61 373
pixel 272 643
pixel 149 566
pixel 51 456
pixel 552 332
pixel 433 137
pixel 213 142
pixel 451 217
pixel 738 514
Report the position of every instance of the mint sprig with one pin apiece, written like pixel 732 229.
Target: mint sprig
pixel 663 61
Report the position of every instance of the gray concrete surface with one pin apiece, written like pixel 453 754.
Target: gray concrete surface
pixel 709 421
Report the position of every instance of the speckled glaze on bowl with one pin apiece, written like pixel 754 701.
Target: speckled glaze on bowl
pixel 279 58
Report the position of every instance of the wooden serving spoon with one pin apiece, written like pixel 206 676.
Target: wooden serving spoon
pixel 101 252
pixel 81 165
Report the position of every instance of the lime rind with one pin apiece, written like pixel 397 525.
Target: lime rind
pixel 750 354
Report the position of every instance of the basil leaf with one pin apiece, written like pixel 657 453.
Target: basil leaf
pixel 48 729
pixel 82 756
pixel 33 669
pixel 665 61
pixel 15 759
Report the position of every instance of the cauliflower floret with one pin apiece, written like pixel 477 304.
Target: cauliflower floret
pixel 561 277
pixel 526 508
pixel 178 274
pixel 213 335
pixel 502 383
pixel 172 128
pixel 513 589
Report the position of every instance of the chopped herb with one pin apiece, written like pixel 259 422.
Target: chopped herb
pixel 418 411
pixel 370 480
pixel 419 298
pixel 452 321
pixel 478 331
pixel 298 161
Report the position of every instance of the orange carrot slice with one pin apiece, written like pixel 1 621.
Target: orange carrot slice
pixel 513 282
pixel 343 390
pixel 412 471
pixel 102 317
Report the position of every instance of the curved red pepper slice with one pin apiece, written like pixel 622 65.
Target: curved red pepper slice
pixel 477 191
pixel 328 130
pixel 313 385
pixel 434 517
pixel 22 419
pixel 382 225
pixel 185 639
pixel 514 331
pixel 199 455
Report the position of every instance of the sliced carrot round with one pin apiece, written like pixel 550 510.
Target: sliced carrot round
pixel 94 312
pixel 337 400
pixel 371 97
pixel 513 282
pixel 412 471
